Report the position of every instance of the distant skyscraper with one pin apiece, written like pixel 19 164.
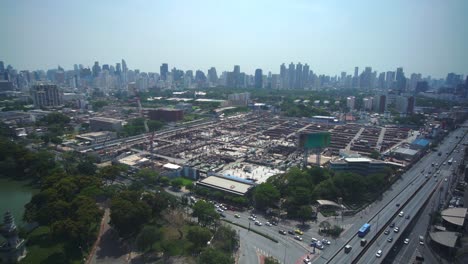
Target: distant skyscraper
pixel 400 81
pixel 356 78
pixel 118 69
pixel 96 69
pixel 389 79
pixel 298 82
pixel 124 66
pixel 105 67
pixel 212 76
pixel 291 76
pixel 305 75
pixel 2 67
pixel 46 95
pixel 258 78
pixel 283 76
pixel 163 71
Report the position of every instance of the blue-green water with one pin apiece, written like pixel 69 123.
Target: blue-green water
pixel 13 196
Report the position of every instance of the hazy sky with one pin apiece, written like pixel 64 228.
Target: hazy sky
pixel 424 36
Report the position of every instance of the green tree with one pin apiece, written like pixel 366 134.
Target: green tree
pixel 265 195
pixel 128 213
pixel 305 213
pixel 213 256
pixel 147 237
pixel 271 260
pixel 199 236
pixel 374 154
pixel 177 183
pixel 110 173
pixel 205 213
pixel 147 175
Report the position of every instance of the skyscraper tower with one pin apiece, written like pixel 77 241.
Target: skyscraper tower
pixel 163 71
pixel 96 69
pixel 258 78
pixel 400 81
pixel 299 76
pixel 291 76
pixel 283 76
pixel 305 75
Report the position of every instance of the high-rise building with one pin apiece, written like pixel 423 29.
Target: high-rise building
pixel 258 78
pixel 380 103
pixel 118 69
pixel 356 79
pixel 400 81
pixel 283 76
pixel 291 76
pixel 390 79
pixel 366 79
pixel 163 71
pixel 350 102
pixel 381 82
pixel 298 82
pixel 46 95
pixel 405 105
pixel 96 69
pixel 305 75
pixel 2 67
pixel 212 76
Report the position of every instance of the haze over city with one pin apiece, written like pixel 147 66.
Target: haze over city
pixel 233 132
pixel 422 36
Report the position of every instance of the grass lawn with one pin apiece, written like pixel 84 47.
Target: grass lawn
pixel 41 249
pixel 186 181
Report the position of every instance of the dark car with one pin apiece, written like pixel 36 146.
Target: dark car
pixel 397 204
pixel 282 232
pixel 392 225
pixel 290 232
pixel 390 239
pixel 407 217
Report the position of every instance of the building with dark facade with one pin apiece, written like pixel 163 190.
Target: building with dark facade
pixel 166 114
pixel 46 95
pixel 258 78
pixel 105 124
pixel 163 71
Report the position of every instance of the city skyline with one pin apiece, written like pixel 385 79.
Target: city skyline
pixel 425 37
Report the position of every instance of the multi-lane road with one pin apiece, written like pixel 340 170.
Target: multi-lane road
pixel 410 193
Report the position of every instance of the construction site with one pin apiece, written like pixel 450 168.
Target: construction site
pixel 251 147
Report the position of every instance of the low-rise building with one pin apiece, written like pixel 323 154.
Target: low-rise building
pixel 105 124
pixel 362 166
pixel 166 114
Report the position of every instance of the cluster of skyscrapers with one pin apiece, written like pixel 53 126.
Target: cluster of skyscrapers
pixel 109 78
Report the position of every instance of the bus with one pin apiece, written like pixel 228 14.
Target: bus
pixel 364 230
pixel 450 161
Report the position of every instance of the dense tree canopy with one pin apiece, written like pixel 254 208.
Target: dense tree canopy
pixel 205 213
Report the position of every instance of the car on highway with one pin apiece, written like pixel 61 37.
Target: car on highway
pixel 392 225
pixel 282 232
pixel 326 242
pixel 314 240
pixel 407 217
pixel 398 205
pixel 268 224
pixel 258 223
pixel 347 248
pixel 390 239
pixel 421 240
pixel 298 238
pixel 396 229
pixel 299 232
pixel 290 232
pixel 401 214
pixel 237 216
pixel 445 179
pixel 387 232
pixel 379 253
pixel 252 218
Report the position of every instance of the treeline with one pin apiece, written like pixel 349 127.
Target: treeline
pixel 298 189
